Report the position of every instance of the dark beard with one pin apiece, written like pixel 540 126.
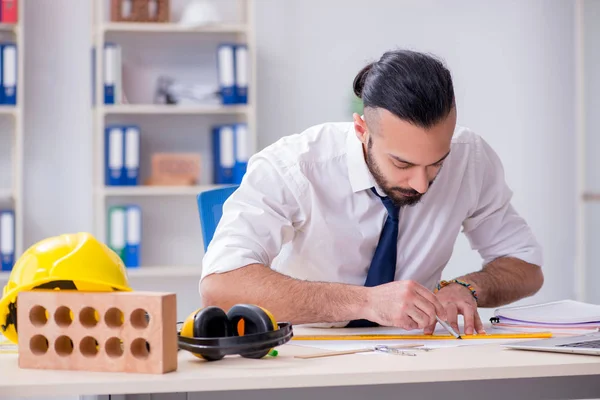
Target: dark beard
pixel 400 197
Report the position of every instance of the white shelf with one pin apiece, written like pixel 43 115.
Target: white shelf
pixel 10 27
pixel 156 190
pixel 174 38
pixel 9 110
pixel 132 27
pixel 4 276
pixel 164 271
pixel 150 109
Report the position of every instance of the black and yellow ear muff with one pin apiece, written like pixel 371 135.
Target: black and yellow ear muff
pixel 247 330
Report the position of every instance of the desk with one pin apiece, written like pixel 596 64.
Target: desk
pixel 486 371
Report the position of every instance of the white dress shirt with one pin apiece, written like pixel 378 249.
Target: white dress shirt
pixel 305 208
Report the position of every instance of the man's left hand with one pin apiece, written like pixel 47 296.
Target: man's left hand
pixel 458 300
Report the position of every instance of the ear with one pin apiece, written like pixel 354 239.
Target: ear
pixel 360 128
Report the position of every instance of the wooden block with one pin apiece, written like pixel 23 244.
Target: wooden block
pixel 97 331
pixel 175 167
pixel 140 10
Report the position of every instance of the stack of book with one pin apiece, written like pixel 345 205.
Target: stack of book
pixel 564 316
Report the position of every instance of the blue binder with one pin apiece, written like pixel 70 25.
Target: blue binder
pixel 114 155
pixel 7 239
pixel 1 73
pixel 9 73
pixel 115 234
pixel 133 236
pixel 109 78
pixel 242 152
pixel 131 165
pixel 226 72
pixel 223 154
pixel 241 74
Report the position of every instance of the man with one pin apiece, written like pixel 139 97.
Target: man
pixel 352 224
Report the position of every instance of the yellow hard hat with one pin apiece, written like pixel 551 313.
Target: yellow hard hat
pixel 66 262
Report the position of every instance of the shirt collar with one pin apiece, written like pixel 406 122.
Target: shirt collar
pixel 358 172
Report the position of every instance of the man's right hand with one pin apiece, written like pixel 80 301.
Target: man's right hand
pixel 403 304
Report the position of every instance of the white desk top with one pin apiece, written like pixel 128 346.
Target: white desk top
pixel 285 371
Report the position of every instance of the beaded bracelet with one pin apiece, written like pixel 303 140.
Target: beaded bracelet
pixel 463 283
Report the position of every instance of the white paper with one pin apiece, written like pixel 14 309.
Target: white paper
pixel 343 345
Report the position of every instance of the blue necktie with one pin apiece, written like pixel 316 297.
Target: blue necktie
pixel 383 264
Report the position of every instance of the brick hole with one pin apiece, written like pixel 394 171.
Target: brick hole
pixel 114 347
pixel 114 318
pixel 89 346
pixel 140 348
pixel 139 318
pixel 38 316
pixel 63 346
pixel 63 316
pixel 89 317
pixel 38 344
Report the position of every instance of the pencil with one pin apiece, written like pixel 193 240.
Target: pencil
pixel 448 328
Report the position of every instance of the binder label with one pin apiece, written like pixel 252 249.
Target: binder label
pixel 227 147
pixel 134 223
pixel 132 154
pixel 7 242
pixel 241 73
pixel 117 229
pixel 226 67
pixel 242 145
pixel 115 152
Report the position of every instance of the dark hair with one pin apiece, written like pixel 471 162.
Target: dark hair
pixel 413 86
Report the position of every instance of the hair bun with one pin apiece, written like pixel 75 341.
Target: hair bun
pixel 359 80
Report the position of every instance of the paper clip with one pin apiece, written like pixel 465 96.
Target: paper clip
pixel 386 349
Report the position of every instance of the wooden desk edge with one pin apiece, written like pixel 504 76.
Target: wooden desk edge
pixel 186 378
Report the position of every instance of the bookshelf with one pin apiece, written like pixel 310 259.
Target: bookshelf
pixel 171 240
pixel 12 135
pixel 151 27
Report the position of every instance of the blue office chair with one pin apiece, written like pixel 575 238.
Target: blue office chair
pixel 210 208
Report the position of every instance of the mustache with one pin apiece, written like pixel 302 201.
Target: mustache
pixel 406 192
pixel 409 192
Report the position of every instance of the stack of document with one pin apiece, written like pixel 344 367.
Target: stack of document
pixel 567 316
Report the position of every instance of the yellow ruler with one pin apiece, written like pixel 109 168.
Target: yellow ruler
pixel 525 335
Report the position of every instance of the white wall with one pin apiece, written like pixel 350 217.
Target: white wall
pixel 591 30
pixel 58 119
pixel 512 63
